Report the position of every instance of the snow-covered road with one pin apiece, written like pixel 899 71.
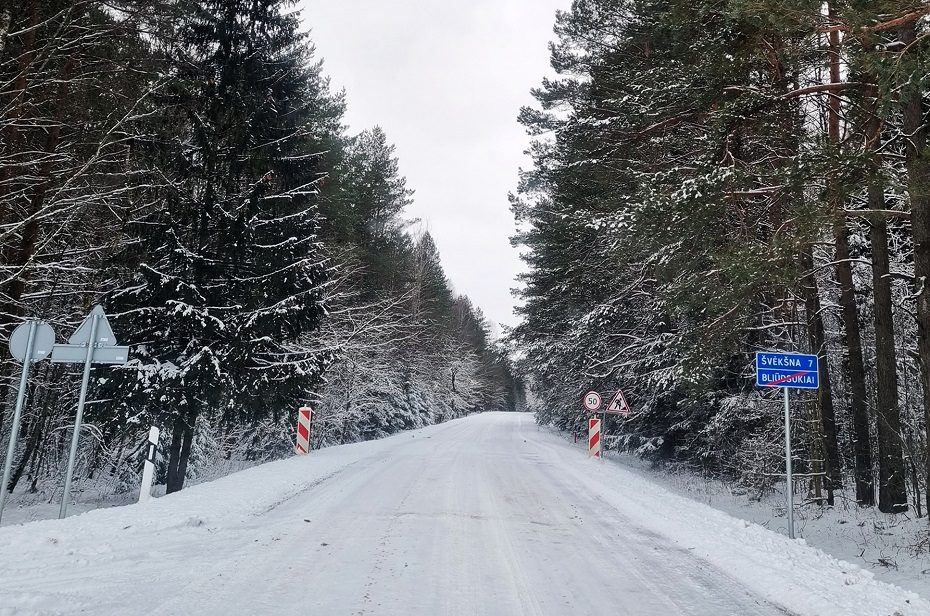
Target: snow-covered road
pixel 486 515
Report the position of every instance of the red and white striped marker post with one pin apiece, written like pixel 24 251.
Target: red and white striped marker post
pixel 594 437
pixel 303 431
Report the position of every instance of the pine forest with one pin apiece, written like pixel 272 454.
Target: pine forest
pixel 713 178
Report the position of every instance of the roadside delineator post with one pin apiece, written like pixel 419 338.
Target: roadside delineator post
pixel 148 473
pixel 594 437
pixel 304 418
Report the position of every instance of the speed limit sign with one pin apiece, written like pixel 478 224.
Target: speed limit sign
pixel 592 401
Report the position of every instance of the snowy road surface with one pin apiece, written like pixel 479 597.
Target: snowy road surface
pixel 482 516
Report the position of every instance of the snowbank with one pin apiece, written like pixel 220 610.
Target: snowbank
pixel 803 579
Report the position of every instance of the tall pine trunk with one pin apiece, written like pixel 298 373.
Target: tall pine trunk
pixel 818 342
pixel 174 483
pixel 892 489
pixel 179 453
pixel 918 186
pixel 892 484
pixel 185 456
pixel 855 365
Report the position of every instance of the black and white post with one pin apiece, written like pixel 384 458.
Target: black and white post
pixel 148 473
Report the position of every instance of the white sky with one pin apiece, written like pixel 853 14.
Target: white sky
pixel 446 80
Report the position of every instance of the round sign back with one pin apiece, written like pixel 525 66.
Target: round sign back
pixel 592 401
pixel 41 346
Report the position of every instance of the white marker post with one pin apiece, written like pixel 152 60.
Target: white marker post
pixel 148 473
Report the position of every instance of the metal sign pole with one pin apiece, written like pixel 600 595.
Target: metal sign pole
pixel 17 415
pixel 788 371
pixel 80 414
pixel 789 483
pixel 603 434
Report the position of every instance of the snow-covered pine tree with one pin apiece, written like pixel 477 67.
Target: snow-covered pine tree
pixel 228 273
pixel 655 215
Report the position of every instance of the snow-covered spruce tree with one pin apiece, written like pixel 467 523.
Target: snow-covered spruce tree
pixel 227 272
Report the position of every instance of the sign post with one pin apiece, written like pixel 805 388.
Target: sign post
pixel 72 456
pixel 92 343
pixel 148 473
pixel 592 403
pixel 30 342
pixel 787 371
pixel 788 462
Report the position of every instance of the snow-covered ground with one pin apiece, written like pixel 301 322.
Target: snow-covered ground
pixel 485 515
pixel 895 547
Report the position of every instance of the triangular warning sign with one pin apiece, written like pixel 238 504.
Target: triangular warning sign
pixel 618 405
pixel 105 337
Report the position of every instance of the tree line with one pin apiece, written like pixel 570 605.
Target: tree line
pixel 712 178
pixel 186 164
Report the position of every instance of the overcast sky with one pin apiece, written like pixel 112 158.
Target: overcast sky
pixel 446 79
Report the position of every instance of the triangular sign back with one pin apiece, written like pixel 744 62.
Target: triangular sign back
pixel 618 404
pixel 105 336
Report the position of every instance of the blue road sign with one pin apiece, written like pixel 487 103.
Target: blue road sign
pixel 788 370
